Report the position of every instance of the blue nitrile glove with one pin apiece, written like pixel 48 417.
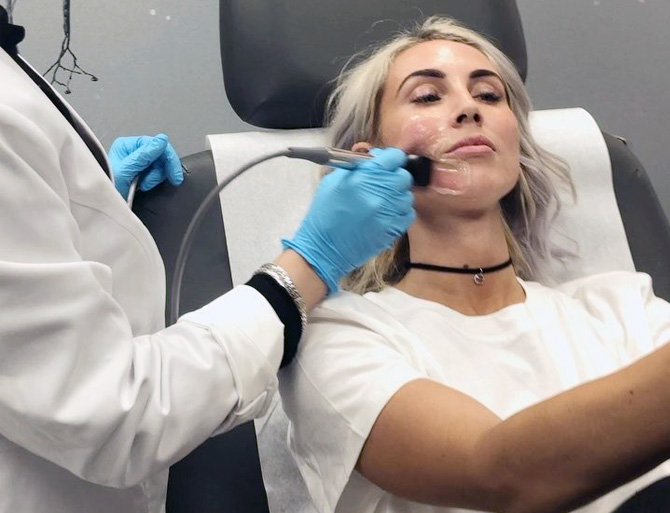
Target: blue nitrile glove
pixel 130 156
pixel 355 215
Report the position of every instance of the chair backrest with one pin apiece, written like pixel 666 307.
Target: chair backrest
pixel 643 217
pixel 223 474
pixel 652 499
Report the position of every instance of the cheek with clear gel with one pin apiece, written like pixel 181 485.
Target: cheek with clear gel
pixel 428 136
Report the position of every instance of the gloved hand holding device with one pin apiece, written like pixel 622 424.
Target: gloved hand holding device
pixel 355 215
pixel 131 156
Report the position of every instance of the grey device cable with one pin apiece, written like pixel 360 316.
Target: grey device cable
pixel 418 166
pixel 187 240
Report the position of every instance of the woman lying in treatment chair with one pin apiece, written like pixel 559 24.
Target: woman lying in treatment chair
pixel 437 389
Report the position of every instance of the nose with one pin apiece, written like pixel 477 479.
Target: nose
pixel 467 114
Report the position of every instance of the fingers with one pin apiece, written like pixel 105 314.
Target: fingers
pixel 166 166
pixel 402 224
pixel 119 147
pixel 149 149
pixel 387 159
pixel 154 176
pixel 154 158
pixel 173 170
pixel 122 186
pixel 389 184
pixel 404 179
pixel 403 214
pixel 386 167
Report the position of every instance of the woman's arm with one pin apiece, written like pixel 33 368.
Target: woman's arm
pixel 435 445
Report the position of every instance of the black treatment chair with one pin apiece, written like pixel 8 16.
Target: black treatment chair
pixel 279 58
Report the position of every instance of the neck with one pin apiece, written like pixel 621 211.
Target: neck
pixel 478 241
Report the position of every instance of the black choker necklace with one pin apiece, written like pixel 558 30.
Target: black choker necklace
pixel 477 272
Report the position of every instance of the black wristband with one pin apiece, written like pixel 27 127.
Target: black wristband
pixel 285 308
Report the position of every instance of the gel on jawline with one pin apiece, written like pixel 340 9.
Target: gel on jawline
pixel 433 136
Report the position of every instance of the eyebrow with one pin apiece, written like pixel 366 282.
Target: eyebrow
pixel 429 72
pixel 478 73
pixel 436 73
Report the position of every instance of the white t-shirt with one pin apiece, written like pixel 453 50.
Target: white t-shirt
pixel 359 350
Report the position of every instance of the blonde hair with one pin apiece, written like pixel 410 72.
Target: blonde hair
pixel 353 111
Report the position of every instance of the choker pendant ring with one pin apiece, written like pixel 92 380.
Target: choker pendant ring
pixel 479 277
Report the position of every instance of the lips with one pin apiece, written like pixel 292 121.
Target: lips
pixel 472 144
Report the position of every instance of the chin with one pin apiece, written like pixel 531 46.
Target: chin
pixel 470 204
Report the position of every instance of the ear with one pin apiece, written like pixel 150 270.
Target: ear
pixel 362 147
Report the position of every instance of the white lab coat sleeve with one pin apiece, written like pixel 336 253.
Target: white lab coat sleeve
pixel 76 387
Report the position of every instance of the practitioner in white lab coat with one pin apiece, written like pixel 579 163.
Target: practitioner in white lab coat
pixel 97 397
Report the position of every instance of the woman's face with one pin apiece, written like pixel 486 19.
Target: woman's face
pixel 446 100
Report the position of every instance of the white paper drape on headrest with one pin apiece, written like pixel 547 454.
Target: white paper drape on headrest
pixel 267 202
pixel 591 224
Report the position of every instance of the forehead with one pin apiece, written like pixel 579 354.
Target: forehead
pixel 439 54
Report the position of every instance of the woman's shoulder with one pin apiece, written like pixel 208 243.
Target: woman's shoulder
pixel 345 304
pixel 607 292
pixel 368 320
pixel 613 282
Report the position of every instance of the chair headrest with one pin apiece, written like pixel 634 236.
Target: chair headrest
pixel 280 57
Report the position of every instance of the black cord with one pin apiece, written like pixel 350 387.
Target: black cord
pixel 187 241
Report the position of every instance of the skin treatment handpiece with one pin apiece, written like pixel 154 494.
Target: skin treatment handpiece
pixel 418 166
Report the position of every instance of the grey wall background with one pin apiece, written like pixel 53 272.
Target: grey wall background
pixel 157 61
pixel 159 68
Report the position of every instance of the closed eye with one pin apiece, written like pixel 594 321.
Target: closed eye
pixel 427 98
pixel 489 97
